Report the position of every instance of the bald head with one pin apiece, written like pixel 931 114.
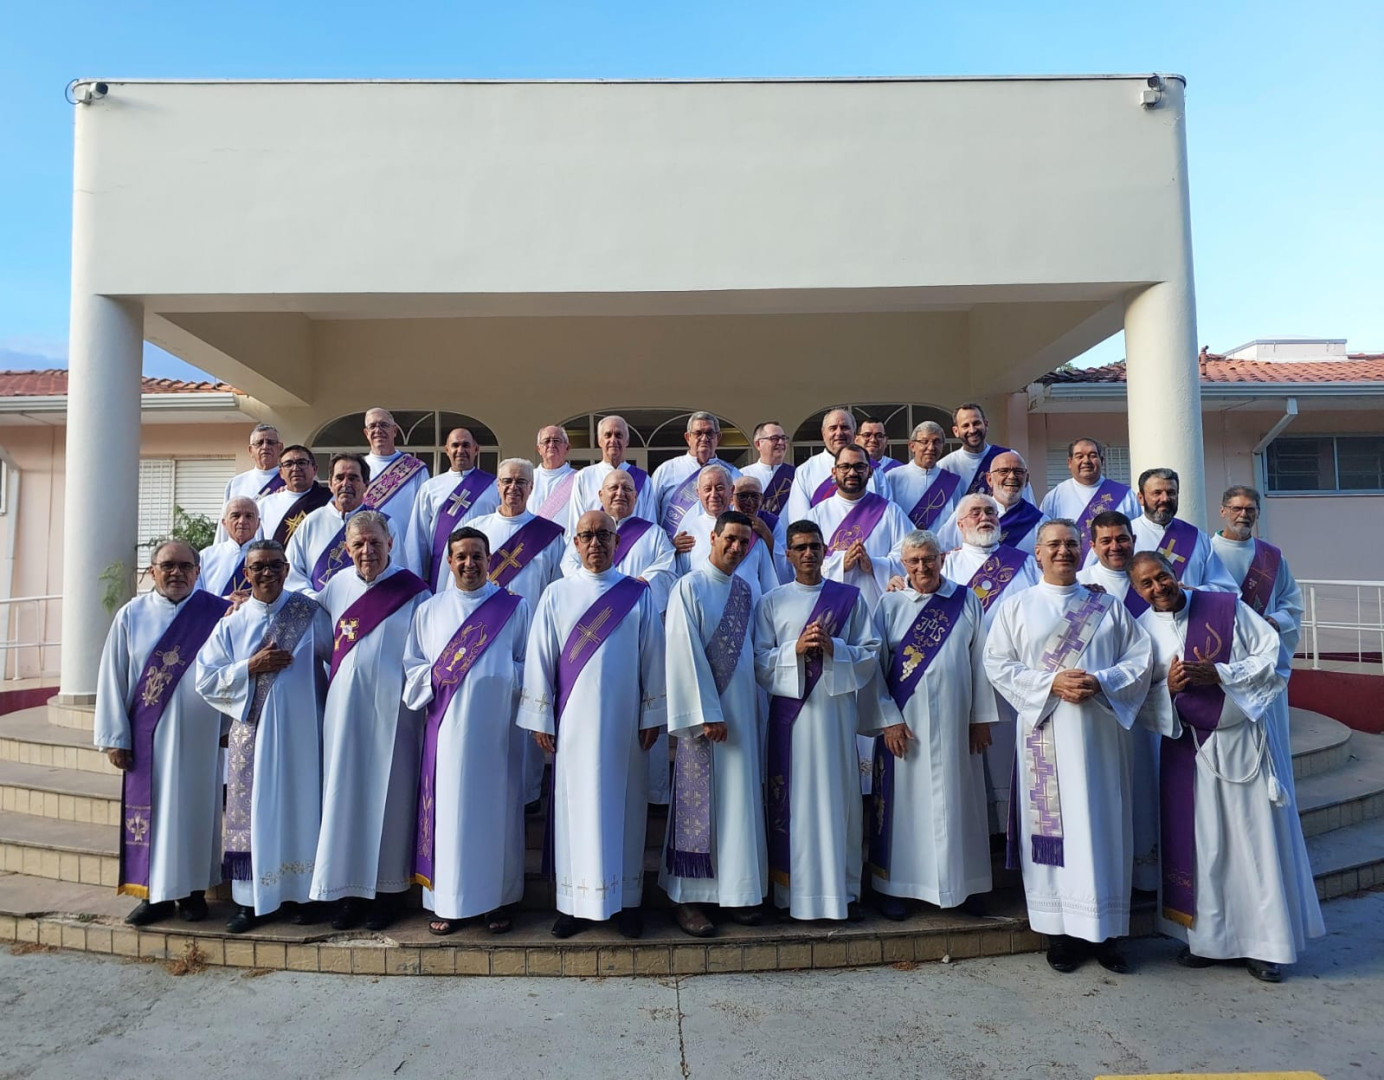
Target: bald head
pixel 1008 477
pixel 595 539
pixel 553 445
pixel 838 429
pixel 617 494
pixel 461 450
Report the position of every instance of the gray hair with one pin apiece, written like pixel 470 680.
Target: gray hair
pixel 715 467
pixel 524 464
pixel 747 480
pixel 368 519
pixel 920 538
pixel 1056 523
pixel 927 427
pixel 272 546
pixel 259 428
pixel 841 409
pixel 706 418
pixel 196 555
pixel 1242 490
pixel 612 418
pixel 233 500
pixel 974 499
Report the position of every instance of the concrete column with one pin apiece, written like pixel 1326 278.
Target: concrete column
pixel 101 511
pixel 1160 323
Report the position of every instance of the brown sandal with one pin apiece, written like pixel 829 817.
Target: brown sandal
pixel 442 927
pixel 497 922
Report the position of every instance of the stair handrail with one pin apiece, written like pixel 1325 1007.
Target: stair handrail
pixel 10 645
pixel 1314 623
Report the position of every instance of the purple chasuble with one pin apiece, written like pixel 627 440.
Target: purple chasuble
pixel 631 530
pixel 396 474
pixel 520 549
pixel 453 663
pixel 452 510
pixel 912 657
pixel 980 482
pixel 1081 617
pixel 557 499
pixel 1257 588
pixel 1019 522
pixel 859 522
pixel 596 624
pixel 682 499
pixel 777 490
pixel 996 572
pixel 287 629
pixel 273 484
pixel 168 662
pixel 314 498
pixel 1107 497
pixel 1178 543
pixel 935 499
pixel 369 610
pixel 833 611
pixel 1210 635
pixel 689 839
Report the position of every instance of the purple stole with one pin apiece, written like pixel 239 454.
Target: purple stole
pixel 170 659
pixel 912 657
pixel 457 658
pixel 638 475
pixel 777 490
pixel 884 466
pixel 688 851
pixel 995 573
pixel 682 499
pixel 557 499
pixel 980 482
pixel 1258 585
pixel 935 499
pixel 1135 604
pixel 859 523
pixel 332 559
pixel 1019 522
pixel 1178 543
pixel 833 611
pixel 825 490
pixel 631 529
pixel 314 498
pixel 769 519
pixel 519 550
pixel 287 629
pixel 396 474
pixel 596 624
pixel 237 580
pixel 1107 497
pixel 1038 754
pixel 273 484
pixel 370 609
pixel 1210 634
pixel 452 510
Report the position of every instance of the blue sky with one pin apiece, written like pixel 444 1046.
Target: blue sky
pixel 1286 139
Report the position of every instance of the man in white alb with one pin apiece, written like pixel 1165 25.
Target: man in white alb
pixel 553 477
pixel 644 551
pixel 747 496
pixel 813 482
pixel 446 503
pixel 370 739
pixel 714 851
pixel 1075 667
pixel 971 461
pixel 925 492
pixel 318 547
pixel 223 563
pixel 774 473
pixel 713 499
pixel 264 479
pixel 613 436
pixel 594 698
pixel 396 476
pixel 875 439
pixel 1088 492
pixel 283 511
pixel 1187 549
pixel 1231 838
pixel 1019 518
pixel 675 481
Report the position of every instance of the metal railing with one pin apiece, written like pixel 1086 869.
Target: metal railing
pixel 26 621
pixel 1343 618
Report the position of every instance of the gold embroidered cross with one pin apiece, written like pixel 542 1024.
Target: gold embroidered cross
pixel 1167 552
pixel 507 559
pixel 589 635
pixel 346 631
pixel 294 520
pixel 460 500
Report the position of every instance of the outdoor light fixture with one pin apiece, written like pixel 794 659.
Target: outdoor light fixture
pixel 1154 94
pixel 84 91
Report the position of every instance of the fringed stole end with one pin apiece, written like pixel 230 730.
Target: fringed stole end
pixel 1179 917
pixel 1047 850
pixel 236 866
pixel 140 892
pixel 689 864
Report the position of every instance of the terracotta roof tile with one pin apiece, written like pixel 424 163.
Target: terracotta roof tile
pixel 53 383
pixel 1357 367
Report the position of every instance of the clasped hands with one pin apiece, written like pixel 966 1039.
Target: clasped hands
pixel 1185 674
pixel 1075 686
pixel 814 636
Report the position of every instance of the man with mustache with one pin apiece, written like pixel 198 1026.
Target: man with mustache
pixel 1074 666
pixel 1019 518
pixel 1231 840
pixel 814 482
pixel 972 460
pixel 1187 549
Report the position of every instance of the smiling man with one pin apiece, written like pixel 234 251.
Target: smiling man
pixel 1019 519
pixel 223 563
pixel 675 481
pixel 714 489
pixel 318 548
pixel 1088 491
pixel 262 480
pixel 814 480
pixel 284 510
pixel 1075 668
pixel 396 476
pixel 1187 549
pixel 613 437
pixel 920 488
pixel 444 504
pixel 773 471
pixel 972 460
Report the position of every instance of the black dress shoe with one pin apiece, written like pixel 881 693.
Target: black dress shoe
pixel 243 920
pixel 146 913
pixel 1189 959
pixel 194 908
pixel 973 905
pixel 384 909
pixel 893 908
pixel 854 912
pixel 350 913
pixel 1109 956
pixel 629 922
pixel 1065 955
pixel 534 809
pixel 1265 971
pixel 310 913
pixel 746 916
pixel 567 925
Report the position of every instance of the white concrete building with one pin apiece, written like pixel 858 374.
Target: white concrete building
pixel 521 253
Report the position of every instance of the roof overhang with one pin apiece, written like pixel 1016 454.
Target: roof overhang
pixel 1215 397
pixel 199 408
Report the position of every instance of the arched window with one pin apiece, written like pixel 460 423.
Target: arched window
pixel 424 435
pixel 899 421
pixel 656 436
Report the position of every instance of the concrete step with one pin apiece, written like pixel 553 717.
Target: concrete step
pixel 1349 859
pixel 62 850
pixel 65 794
pixel 80 717
pixel 1349 795
pixel 1320 743
pixel 28 738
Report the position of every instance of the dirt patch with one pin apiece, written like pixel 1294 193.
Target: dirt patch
pixel 256 973
pixel 27 948
pixel 192 962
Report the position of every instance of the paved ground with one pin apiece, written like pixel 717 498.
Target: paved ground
pixel 64 1015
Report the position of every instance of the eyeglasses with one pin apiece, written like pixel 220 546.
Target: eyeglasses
pixel 860 468
pixel 276 567
pixel 923 560
pixel 552 442
pixel 1251 510
pixel 170 567
pixel 772 438
pixel 1009 472
pixel 380 425
pixel 603 536
pixel 704 433
pixel 295 463
pixel 511 481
